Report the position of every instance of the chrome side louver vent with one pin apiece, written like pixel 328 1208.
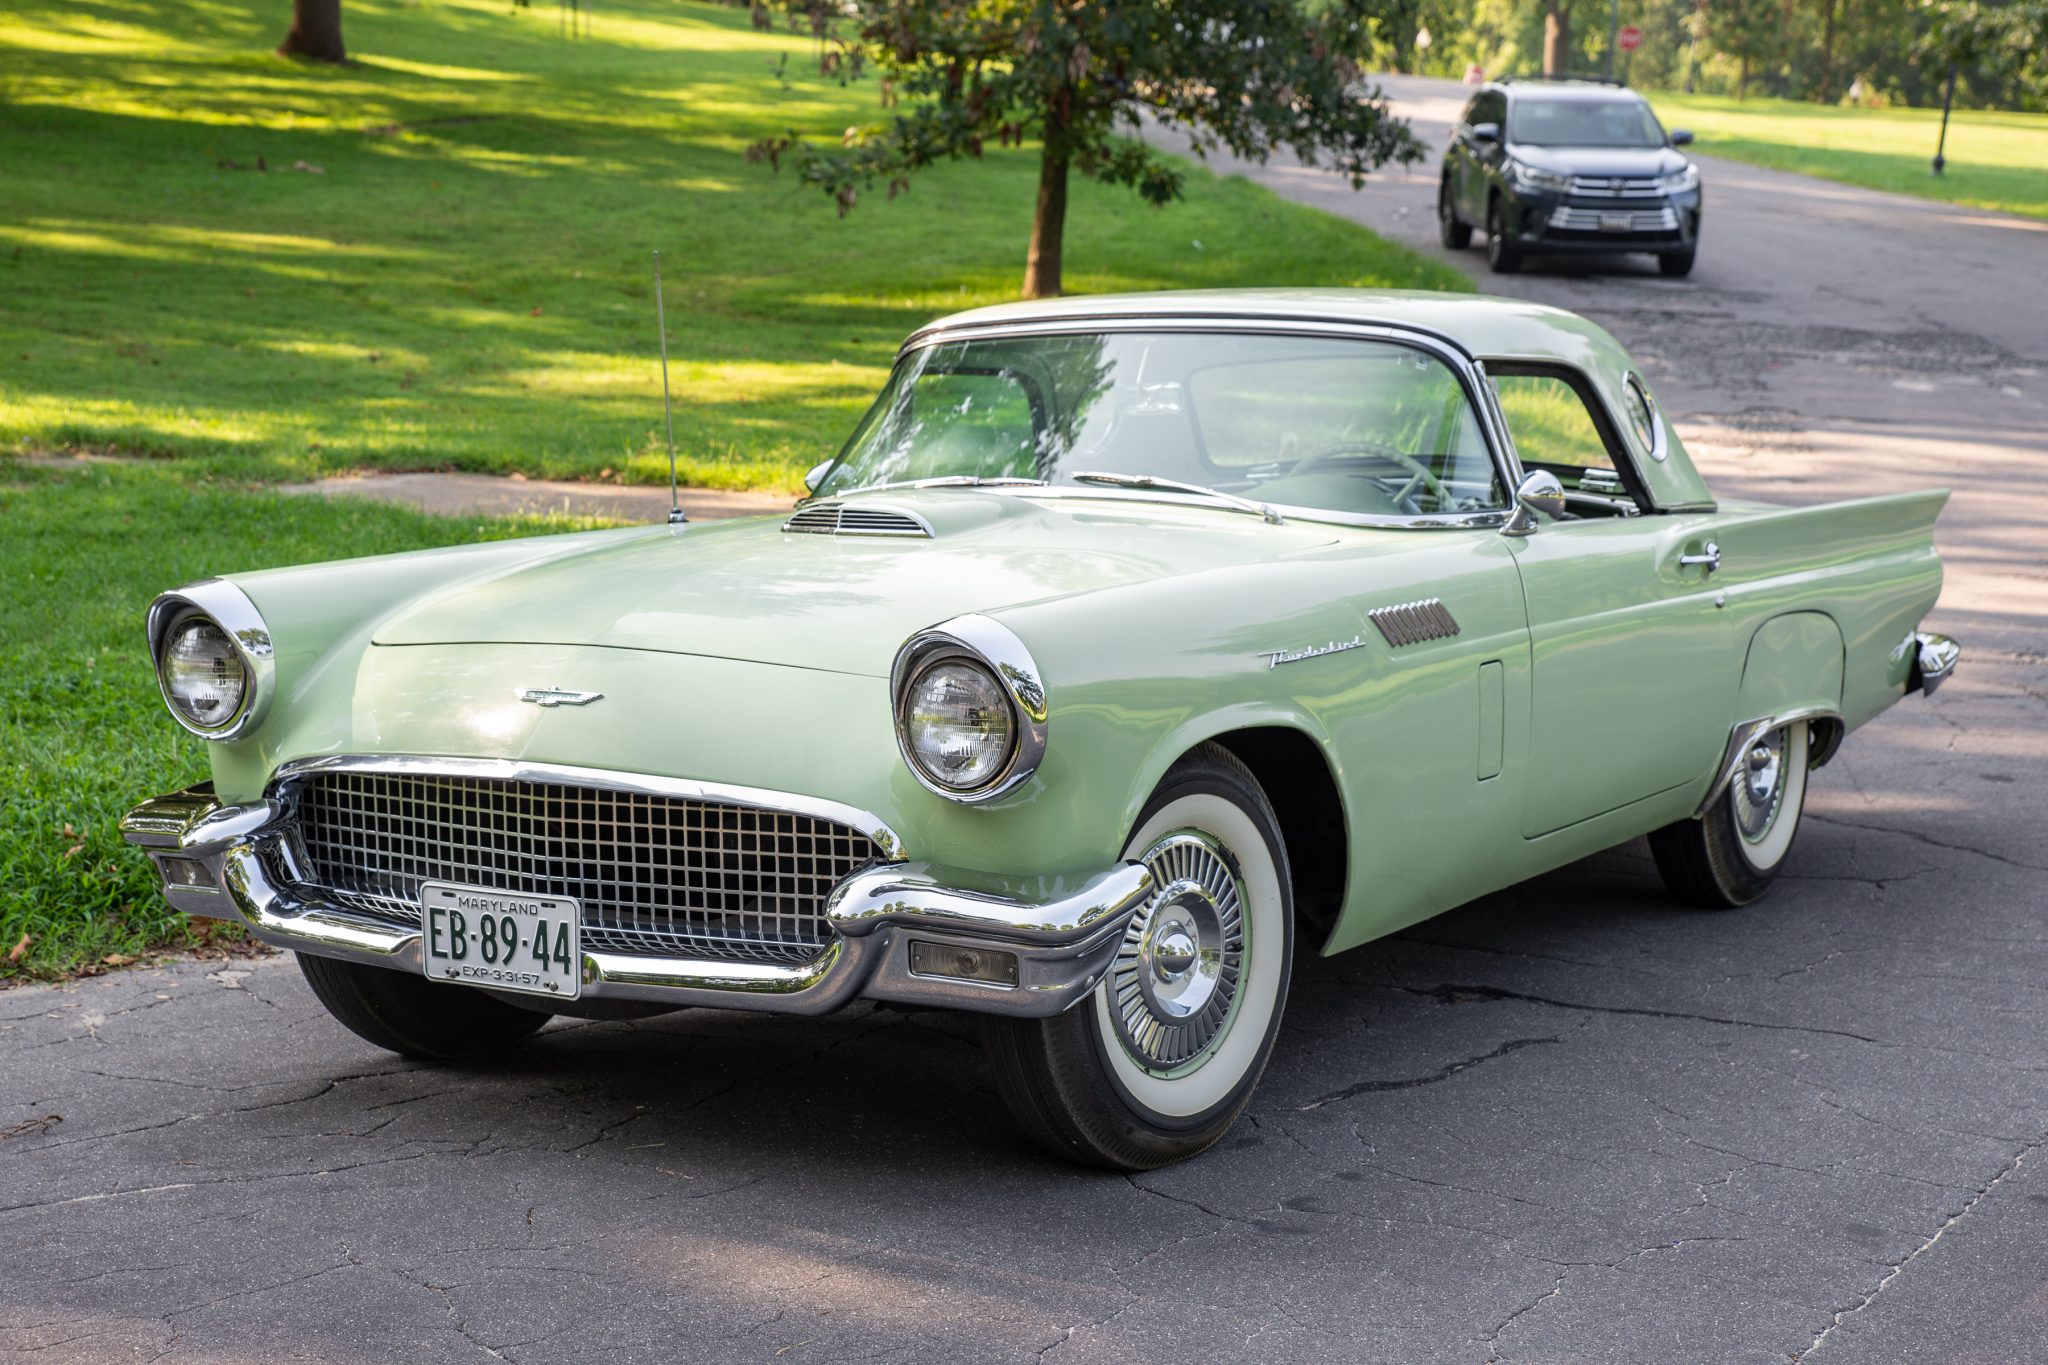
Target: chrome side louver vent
pixel 1410 623
pixel 854 519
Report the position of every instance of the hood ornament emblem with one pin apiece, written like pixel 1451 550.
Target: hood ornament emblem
pixel 555 696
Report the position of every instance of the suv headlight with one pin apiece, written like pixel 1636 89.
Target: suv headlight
pixel 1677 181
pixel 1530 178
pixel 970 709
pixel 213 658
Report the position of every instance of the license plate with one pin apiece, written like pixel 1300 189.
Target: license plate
pixel 1616 222
pixel 478 936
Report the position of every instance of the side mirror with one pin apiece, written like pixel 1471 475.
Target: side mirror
pixel 817 475
pixel 1681 137
pixel 1539 497
pixel 1485 132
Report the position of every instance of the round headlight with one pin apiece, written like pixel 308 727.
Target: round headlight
pixel 958 726
pixel 204 680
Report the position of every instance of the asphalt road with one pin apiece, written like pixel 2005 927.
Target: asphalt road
pixel 1568 1123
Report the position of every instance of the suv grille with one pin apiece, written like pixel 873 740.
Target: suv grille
pixel 1603 187
pixel 656 875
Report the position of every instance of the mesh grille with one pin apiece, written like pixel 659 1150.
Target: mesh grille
pixel 656 875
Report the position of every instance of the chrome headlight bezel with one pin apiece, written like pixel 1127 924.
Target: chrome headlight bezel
pixel 1530 177
pixel 228 608
pixel 1679 181
pixel 996 651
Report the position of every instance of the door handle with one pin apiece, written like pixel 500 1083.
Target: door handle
pixel 1708 558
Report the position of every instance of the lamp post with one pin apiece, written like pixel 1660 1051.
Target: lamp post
pixel 1948 95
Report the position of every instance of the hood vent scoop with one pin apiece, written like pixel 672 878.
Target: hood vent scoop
pixel 857 519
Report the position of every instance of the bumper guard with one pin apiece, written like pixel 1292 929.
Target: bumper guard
pixel 219 861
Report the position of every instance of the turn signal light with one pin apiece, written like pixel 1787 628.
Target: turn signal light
pixel 962 964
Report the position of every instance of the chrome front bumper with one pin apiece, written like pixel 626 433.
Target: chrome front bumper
pixel 217 861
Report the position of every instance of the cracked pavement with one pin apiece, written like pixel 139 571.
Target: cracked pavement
pixel 1571 1122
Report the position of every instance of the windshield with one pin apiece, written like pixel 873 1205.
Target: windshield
pixel 1585 123
pixel 1326 423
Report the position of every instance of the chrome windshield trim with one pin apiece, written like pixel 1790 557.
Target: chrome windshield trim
pixel 943 481
pixel 1325 516
pixel 1447 349
pixel 519 770
pixel 230 608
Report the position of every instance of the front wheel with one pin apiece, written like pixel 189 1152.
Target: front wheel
pixel 1158 1063
pixel 1455 235
pixel 1731 854
pixel 1676 265
pixel 406 1013
pixel 1501 252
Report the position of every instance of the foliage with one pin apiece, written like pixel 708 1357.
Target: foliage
pixel 1887 51
pixel 83 733
pixel 438 257
pixel 1082 79
pixel 1995 160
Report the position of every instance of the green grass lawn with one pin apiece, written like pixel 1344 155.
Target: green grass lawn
pixel 1995 161
pixel 83 733
pixel 465 283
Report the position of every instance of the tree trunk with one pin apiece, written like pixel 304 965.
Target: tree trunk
pixel 1742 79
pixel 1049 221
pixel 1826 93
pixel 316 32
pixel 1557 38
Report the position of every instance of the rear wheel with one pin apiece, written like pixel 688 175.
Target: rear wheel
pixel 1451 232
pixel 1501 253
pixel 1730 855
pixel 1157 1064
pixel 1677 265
pixel 404 1013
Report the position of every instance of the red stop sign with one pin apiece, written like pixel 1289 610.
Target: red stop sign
pixel 1630 37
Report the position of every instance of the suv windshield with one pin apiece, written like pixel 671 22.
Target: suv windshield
pixel 1324 423
pixel 1585 123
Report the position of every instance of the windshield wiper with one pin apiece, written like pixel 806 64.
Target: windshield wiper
pixel 1262 509
pixel 945 481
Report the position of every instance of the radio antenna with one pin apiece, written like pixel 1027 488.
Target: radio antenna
pixel 668 412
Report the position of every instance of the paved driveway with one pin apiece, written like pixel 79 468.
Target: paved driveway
pixel 1567 1123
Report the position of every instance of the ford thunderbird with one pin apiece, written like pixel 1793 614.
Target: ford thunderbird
pixel 1127 644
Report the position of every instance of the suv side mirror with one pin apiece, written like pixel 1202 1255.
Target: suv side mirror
pixel 1485 132
pixel 1681 137
pixel 1539 497
pixel 817 475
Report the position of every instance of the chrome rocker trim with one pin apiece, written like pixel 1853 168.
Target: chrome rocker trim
pixel 218 861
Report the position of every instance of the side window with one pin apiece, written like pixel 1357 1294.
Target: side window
pixel 1493 108
pixel 1471 114
pixel 1554 429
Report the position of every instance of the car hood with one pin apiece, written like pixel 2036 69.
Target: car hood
pixel 1607 161
pixel 749 590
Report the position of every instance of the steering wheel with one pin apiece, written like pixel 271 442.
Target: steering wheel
pixel 1422 473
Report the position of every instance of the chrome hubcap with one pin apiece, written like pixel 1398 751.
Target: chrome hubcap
pixel 1758 789
pixel 1175 982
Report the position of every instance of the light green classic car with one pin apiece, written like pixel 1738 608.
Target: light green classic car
pixel 1128 642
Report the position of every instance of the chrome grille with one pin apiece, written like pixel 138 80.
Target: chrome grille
pixel 841 519
pixel 1603 186
pixel 1639 220
pixel 656 875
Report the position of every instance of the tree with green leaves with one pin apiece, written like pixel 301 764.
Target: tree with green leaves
pixel 1082 78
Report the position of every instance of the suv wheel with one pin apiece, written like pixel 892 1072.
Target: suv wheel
pixel 1677 265
pixel 1501 253
pixel 1452 233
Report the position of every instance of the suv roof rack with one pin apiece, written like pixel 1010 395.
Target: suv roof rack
pixel 1567 79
